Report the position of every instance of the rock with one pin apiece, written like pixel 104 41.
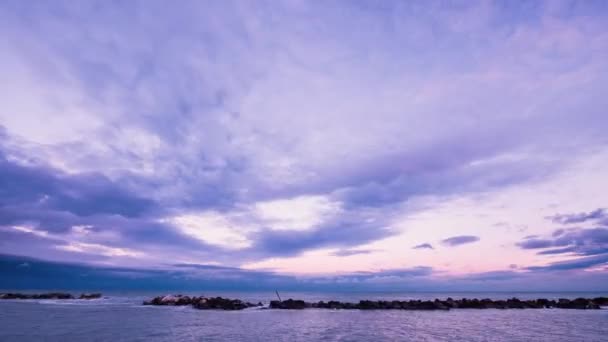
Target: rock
pixel 603 301
pixel 183 300
pixel 289 304
pixel 427 305
pixel 169 300
pixel 14 296
pixel 578 303
pixel 368 305
pixel 164 300
pixel 515 303
pixel 51 295
pixel 90 296
pixel 178 300
pixel 545 302
pixel 201 303
pixel 439 305
pixel 219 303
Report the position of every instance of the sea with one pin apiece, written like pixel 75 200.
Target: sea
pixel 120 316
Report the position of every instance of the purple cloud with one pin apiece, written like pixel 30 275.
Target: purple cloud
pixel 578 241
pixel 459 240
pixel 423 246
pixel 580 263
pixel 349 252
pixel 534 243
pixel 595 215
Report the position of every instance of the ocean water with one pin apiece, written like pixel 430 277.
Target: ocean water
pixel 121 317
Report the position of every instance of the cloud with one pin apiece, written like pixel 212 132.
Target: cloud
pixel 350 252
pixel 595 215
pixel 342 231
pixel 459 240
pixel 423 246
pixel 203 277
pixel 589 246
pixel 580 263
pixel 534 243
pixel 577 241
pixel 41 188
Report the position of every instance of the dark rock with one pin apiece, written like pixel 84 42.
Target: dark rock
pixel 289 304
pixel 603 301
pixel 219 303
pixel 51 295
pixel 90 296
pixel 201 303
pixel 368 305
pixel 14 296
pixel 183 300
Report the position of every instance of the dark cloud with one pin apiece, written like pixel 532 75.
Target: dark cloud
pixel 51 275
pixel 597 214
pixel 459 240
pixel 41 188
pixel 45 274
pixel 39 274
pixel 423 246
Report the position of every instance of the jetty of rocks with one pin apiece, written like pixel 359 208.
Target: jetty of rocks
pixel 202 303
pixel 449 303
pixel 219 303
pixel 50 295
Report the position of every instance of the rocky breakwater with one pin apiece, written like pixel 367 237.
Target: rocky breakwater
pixel 201 303
pixel 219 303
pixel 50 295
pixel 449 303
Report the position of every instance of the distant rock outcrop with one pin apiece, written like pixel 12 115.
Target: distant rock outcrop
pixel 50 295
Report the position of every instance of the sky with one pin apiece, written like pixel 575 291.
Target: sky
pixel 311 144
